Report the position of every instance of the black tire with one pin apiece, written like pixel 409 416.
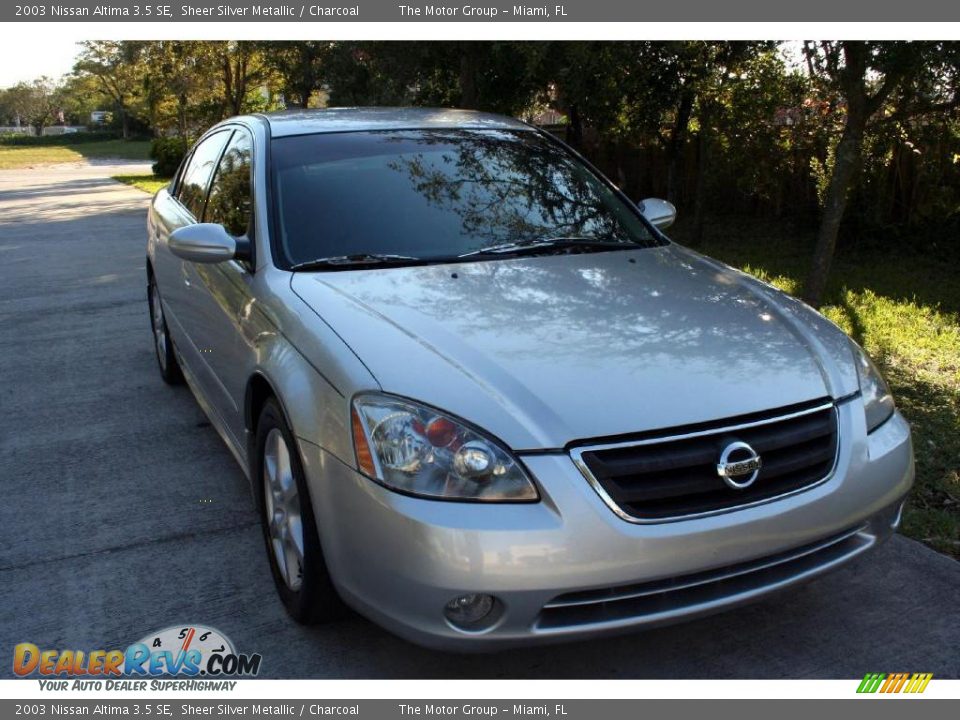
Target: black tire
pixel 162 344
pixel 315 599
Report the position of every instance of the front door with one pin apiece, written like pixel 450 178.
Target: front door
pixel 223 298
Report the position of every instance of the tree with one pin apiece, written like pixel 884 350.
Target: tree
pixel 241 70
pixel 79 97
pixel 119 71
pixel 588 80
pixel 8 111
pixel 502 76
pixel 864 75
pixel 35 104
pixel 493 76
pixel 711 73
pixel 179 86
pixel 297 66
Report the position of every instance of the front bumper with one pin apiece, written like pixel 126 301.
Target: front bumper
pixel 568 567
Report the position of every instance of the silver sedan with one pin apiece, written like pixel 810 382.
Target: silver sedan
pixel 483 400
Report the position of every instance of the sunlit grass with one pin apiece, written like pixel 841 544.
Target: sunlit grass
pixel 13 157
pixel 147 183
pixel 22 157
pixel 903 307
pixel 918 348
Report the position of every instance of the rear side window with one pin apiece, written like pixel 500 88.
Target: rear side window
pixel 229 200
pixel 196 176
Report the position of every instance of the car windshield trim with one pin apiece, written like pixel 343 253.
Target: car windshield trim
pixel 587 244
pixel 355 259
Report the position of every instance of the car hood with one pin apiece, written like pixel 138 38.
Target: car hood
pixel 545 351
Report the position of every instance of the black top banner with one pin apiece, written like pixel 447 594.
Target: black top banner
pixel 496 12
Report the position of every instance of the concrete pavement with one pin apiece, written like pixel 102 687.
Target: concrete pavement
pixel 122 512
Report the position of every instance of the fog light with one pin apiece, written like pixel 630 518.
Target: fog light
pixel 468 611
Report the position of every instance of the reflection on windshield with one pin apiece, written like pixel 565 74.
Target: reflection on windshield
pixel 433 194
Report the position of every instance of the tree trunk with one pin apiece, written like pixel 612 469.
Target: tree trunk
pixel 125 120
pixel 227 74
pixel 182 115
pixel 703 173
pixel 575 136
pixel 240 86
pixel 675 146
pixel 234 81
pixel 469 99
pixel 845 167
pixel 305 91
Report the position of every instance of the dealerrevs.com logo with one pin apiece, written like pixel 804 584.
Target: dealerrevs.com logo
pixel 179 651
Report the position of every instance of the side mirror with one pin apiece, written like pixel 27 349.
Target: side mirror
pixel 204 243
pixel 659 212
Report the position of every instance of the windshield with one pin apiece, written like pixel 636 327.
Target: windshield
pixel 438 194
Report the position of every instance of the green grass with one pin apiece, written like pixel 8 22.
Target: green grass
pixel 903 307
pixel 147 183
pixel 13 156
pixel 122 149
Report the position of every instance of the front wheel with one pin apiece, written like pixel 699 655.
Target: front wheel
pixel 163 345
pixel 289 528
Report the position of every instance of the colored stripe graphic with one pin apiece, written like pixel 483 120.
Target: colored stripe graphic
pixel 894 682
pixel 871 681
pixel 918 683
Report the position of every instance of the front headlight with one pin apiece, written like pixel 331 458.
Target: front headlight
pixel 418 450
pixel 877 400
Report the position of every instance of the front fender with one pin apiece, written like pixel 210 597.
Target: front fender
pixel 306 366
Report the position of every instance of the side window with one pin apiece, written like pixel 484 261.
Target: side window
pixel 230 198
pixel 178 178
pixel 196 176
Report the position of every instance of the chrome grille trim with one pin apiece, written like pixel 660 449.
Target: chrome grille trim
pixel 577 453
pixel 668 600
pixel 656 588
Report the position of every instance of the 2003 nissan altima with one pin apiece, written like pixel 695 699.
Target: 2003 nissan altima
pixel 482 399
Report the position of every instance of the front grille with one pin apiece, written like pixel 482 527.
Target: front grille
pixel 688 595
pixel 655 479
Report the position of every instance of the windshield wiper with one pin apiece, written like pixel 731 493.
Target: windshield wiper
pixel 340 261
pixel 539 245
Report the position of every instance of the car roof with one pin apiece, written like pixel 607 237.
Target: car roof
pixel 329 120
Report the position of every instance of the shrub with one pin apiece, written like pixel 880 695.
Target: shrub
pixel 168 152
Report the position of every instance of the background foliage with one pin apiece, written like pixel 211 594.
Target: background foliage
pixel 720 128
pixel 830 168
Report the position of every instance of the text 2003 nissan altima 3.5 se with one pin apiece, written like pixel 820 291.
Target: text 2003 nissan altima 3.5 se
pixel 484 401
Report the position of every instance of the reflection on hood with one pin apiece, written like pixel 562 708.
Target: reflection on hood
pixel 572 347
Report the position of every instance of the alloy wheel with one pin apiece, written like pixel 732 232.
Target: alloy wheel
pixel 282 509
pixel 159 328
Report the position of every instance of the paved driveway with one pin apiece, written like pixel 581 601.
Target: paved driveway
pixel 104 535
